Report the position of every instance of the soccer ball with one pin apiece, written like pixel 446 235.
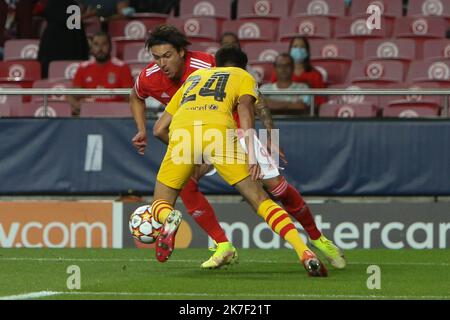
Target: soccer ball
pixel 142 225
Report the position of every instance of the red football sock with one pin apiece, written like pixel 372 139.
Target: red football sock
pixel 199 208
pixel 295 205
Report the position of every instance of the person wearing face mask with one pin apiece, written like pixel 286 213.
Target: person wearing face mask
pixel 304 72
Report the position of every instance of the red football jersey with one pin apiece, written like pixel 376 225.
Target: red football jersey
pixel 112 74
pixel 152 82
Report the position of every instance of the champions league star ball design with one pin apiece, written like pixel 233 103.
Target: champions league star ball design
pixel 143 227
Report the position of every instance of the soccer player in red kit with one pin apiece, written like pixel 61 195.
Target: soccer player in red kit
pixel 101 71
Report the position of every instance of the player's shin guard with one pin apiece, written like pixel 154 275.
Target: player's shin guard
pixel 199 208
pixel 279 221
pixel 295 205
pixel 160 210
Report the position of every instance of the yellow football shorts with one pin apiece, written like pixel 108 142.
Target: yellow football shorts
pixel 202 144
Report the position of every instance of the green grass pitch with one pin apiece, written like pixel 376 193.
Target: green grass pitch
pixel 260 275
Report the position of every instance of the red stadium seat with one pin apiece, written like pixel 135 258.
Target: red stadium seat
pixel 377 72
pixel 37 109
pixel 19 49
pixel 436 49
pixel 9 102
pixel 208 47
pixel 333 58
pixel 136 68
pixel 332 50
pixel 264 52
pixel 131 30
pixel 310 27
pixel 389 8
pixel 136 53
pixel 390 49
pixel 413 100
pixel 197 29
pixel 429 71
pixel 272 9
pixel 328 8
pixel 420 29
pixel 249 31
pixel 63 69
pixel 438 8
pixel 17 71
pixel 412 111
pixel 350 110
pixel 355 99
pixel 105 109
pixel 206 8
pixel 356 29
pixel 52 84
pixel 333 71
pixel 263 71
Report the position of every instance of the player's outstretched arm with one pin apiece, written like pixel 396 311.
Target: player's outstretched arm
pixel 161 127
pixel 137 106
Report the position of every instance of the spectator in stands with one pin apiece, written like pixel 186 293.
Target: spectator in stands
pixel 303 70
pixel 231 39
pixel 58 42
pixel 284 68
pixel 101 71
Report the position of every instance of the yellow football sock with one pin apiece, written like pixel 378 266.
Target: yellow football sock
pixel 279 221
pixel 161 209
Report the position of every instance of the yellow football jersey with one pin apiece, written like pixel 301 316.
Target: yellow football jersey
pixel 210 96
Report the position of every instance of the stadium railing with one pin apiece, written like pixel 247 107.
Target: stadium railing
pixel 307 92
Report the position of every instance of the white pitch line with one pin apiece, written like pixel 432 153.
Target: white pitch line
pixel 30 295
pixel 41 294
pixel 445 264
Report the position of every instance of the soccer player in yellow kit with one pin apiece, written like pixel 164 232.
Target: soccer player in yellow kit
pixel 202 129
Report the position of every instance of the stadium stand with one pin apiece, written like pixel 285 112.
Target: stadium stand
pixel 333 58
pixel 64 69
pixel 355 99
pixel 220 10
pixel 105 109
pixel 131 31
pixel 9 102
pixel 311 27
pixel 353 110
pixel 136 68
pixel 429 71
pixel 136 53
pixel 413 111
pixel 412 100
pixel 390 49
pixel 264 52
pixel 252 30
pixel 20 71
pixel 209 47
pixel 436 49
pixel 357 30
pixel 327 8
pixel 389 8
pixel 378 72
pixel 420 29
pixel 21 49
pixel 263 71
pixel 426 8
pixel 37 109
pixel 198 29
pixel 271 9
pixel 51 84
